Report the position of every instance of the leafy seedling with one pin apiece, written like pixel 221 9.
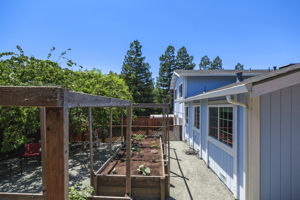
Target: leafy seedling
pixel 154 151
pixel 153 159
pixel 114 171
pixel 138 137
pixel 154 144
pixel 143 169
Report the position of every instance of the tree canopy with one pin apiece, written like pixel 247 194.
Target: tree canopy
pixel 20 125
pixel 184 60
pixel 216 64
pixel 239 66
pixel 204 63
pixel 137 75
pixel 167 66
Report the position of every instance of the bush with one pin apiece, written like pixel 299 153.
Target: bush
pixel 21 125
pixel 80 192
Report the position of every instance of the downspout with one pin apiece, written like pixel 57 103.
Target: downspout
pixel 231 101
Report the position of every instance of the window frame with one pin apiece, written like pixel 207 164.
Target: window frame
pixel 180 90
pixel 194 116
pixel 228 149
pixel 186 115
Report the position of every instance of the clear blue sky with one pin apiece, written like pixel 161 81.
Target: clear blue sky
pixel 259 34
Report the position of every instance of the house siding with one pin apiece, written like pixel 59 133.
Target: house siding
pixel 280 149
pixel 222 164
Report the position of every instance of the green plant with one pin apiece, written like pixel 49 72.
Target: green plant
pixel 154 151
pixel 80 192
pixel 114 171
pixel 138 137
pixel 153 159
pixel 143 169
pixel 136 149
pixel 154 144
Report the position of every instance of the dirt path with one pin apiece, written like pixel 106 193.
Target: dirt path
pixel 191 179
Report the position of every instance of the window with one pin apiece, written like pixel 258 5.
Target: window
pixel 186 115
pixel 180 90
pixel 221 124
pixel 197 117
pixel 175 94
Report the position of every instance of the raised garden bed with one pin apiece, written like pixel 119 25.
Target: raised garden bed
pixel 149 182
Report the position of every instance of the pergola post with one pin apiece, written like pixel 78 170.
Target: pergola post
pixel 91 146
pixel 56 140
pixel 122 128
pixel 128 150
pixel 110 131
pixel 169 158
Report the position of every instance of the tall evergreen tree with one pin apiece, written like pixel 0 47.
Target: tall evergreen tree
pixel 137 75
pixel 184 60
pixel 216 64
pixel 204 63
pixel 167 66
pixel 239 66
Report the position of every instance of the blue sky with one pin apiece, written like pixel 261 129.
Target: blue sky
pixel 259 34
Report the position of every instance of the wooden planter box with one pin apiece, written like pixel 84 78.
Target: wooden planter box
pixel 142 187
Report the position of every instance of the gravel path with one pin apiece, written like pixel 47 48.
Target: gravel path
pixel 31 179
pixel 191 179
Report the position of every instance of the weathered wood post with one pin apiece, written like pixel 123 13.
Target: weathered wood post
pixel 122 128
pixel 56 139
pixel 128 150
pixel 110 131
pixel 91 146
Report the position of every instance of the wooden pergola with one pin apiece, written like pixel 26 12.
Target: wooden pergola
pixel 54 104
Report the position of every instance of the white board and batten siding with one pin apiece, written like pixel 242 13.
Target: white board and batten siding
pixel 280 148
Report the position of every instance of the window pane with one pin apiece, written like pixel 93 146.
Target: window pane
pixel 225 129
pixel 186 115
pixel 213 122
pixel 197 117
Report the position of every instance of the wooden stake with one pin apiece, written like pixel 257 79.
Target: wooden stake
pixel 128 150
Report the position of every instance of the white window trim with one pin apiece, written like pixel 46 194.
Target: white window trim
pixel 186 106
pixel 194 127
pixel 230 150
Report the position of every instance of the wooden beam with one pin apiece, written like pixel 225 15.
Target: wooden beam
pixel 77 99
pixel 31 96
pixel 57 153
pixel 108 198
pixel 21 196
pixel 128 151
pixel 151 105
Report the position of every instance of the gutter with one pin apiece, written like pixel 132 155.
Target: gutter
pixel 243 88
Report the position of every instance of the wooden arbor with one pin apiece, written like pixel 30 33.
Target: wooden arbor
pixel 54 104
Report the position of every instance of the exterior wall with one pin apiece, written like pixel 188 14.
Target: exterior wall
pixel 197 85
pixel 203 127
pixel 178 107
pixel 280 149
pixel 222 164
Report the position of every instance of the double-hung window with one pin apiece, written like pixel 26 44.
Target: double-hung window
pixel 221 124
pixel 180 90
pixel 186 113
pixel 197 117
pixel 175 94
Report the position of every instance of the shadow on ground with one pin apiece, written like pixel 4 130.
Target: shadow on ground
pixel 30 180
